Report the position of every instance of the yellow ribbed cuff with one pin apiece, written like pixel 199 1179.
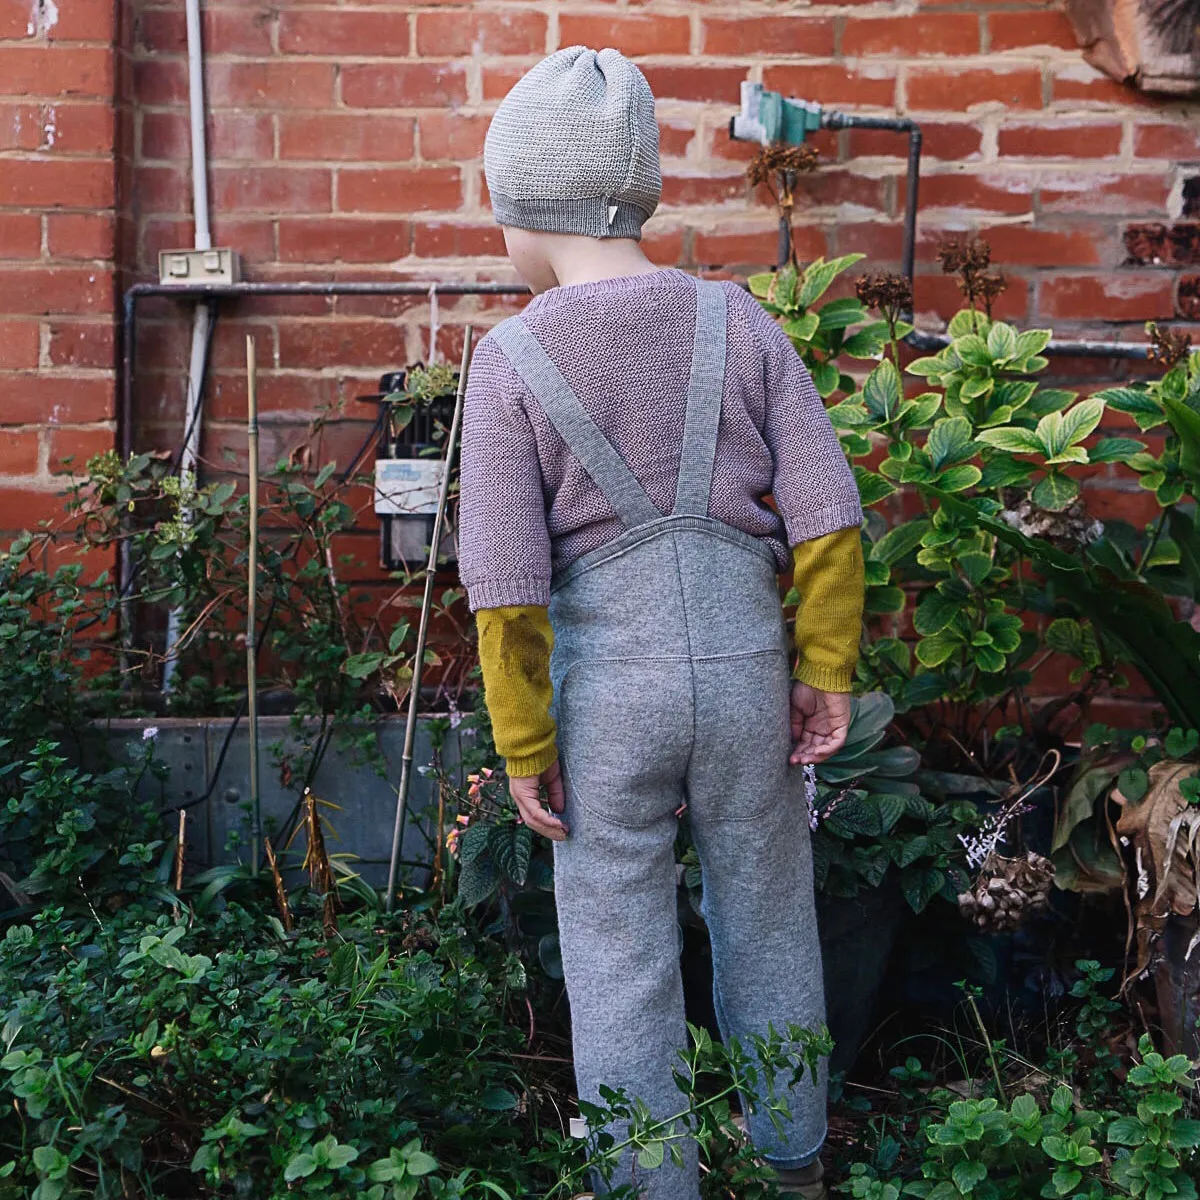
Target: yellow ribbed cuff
pixel 824 679
pixel 533 764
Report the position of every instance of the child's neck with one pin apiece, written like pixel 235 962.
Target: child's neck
pixel 587 260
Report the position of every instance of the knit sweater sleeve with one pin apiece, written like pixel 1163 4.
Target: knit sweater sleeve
pixel 829 580
pixel 514 654
pixel 814 488
pixel 503 542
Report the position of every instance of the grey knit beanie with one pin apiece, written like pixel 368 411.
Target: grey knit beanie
pixel 573 148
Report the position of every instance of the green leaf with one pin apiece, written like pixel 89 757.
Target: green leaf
pixel 782 291
pixel 1002 341
pixel 1080 420
pixel 872 487
pixel 973 389
pixel 1115 449
pixel 1055 492
pixel 341 1156
pixel 935 612
pixel 967 1175
pixel 924 367
pixel 1048 400
pixel 825 379
pixel 840 314
pixel 802 329
pixel 1031 342
pixel 958 479
pixel 511 847
pixel 1126 1131
pixel 1013 439
pixel 863 344
pixel 760 285
pixel 820 274
pixel 1066 1179
pixel 363 666
pixel 473 842
pixel 1003 471
pixel 1185 421
pixel 966 321
pixel 1185 1134
pixel 882 391
pixel 1133 783
pixel 497 1099
pixel 885 600
pixel 949 442
pixel 934 650
pixel 973 350
pixel 651 1157
pixel 899 541
pixel 975 565
pixel 849 415
pixel 477 881
pixel 300 1166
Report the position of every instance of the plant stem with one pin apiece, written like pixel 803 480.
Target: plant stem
pixel 1158 528
pixel 987 1041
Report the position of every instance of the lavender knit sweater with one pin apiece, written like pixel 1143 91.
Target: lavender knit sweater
pixel 625 346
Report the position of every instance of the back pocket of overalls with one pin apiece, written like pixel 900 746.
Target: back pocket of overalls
pixel 624 731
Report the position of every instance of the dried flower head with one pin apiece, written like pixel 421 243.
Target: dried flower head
pixel 1168 347
pixel 988 289
pixel 889 294
pixel 960 253
pixel 779 158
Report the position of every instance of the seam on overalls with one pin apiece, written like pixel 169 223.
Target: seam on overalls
pixel 591 808
pixel 628 541
pixel 766 652
pixel 687 633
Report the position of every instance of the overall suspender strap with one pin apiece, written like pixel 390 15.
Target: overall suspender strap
pixel 705 389
pixel 599 458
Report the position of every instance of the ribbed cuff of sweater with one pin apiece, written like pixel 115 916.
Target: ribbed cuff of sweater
pixel 846 514
pixel 825 679
pixel 534 764
pixel 508 593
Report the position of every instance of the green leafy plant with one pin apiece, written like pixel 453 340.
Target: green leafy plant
pixel 872 817
pixel 820 334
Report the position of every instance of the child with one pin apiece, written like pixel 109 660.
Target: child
pixel 621 437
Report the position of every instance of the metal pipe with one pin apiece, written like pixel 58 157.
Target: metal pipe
pixel 930 343
pixel 203 291
pixel 205 312
pixel 414 691
pixel 841 120
pixel 252 603
pixel 195 52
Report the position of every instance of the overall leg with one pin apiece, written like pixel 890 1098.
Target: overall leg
pixel 614 881
pixel 749 822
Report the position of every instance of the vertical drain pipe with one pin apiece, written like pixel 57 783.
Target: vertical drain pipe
pixel 205 311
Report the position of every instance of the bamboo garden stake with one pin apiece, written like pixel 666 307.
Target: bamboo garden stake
pixel 414 692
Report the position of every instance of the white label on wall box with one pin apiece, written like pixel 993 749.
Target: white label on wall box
pixel 407 486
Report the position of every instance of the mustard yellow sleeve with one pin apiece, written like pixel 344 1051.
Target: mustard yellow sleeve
pixel 514 652
pixel 829 579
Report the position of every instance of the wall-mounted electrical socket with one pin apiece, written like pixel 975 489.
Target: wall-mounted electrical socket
pixel 190 267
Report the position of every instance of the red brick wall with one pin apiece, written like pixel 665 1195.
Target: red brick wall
pixel 58 185
pixel 345 141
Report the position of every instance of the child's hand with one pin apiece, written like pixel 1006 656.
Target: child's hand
pixel 820 722
pixel 526 791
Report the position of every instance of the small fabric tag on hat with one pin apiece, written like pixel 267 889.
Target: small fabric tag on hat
pixel 612 213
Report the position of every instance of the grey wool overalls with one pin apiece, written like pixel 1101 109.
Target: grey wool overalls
pixel 671 685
